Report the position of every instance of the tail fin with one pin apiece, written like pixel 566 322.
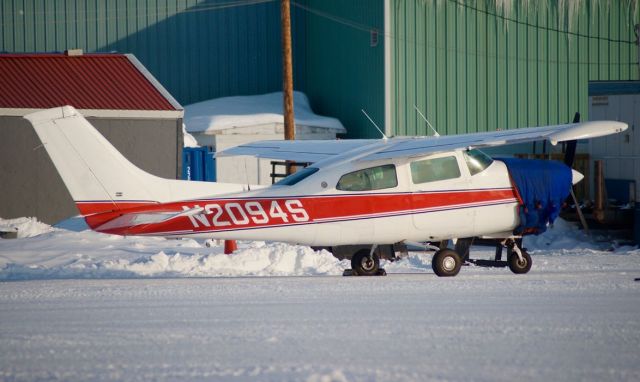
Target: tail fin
pixel 97 176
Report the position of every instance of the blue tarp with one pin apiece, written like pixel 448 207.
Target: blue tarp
pixel 543 186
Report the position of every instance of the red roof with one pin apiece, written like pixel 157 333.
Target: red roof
pixel 89 81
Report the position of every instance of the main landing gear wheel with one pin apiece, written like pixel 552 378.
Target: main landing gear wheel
pixel 364 265
pixel 446 263
pixel 518 266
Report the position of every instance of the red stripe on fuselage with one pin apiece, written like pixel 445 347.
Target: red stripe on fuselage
pixel 230 214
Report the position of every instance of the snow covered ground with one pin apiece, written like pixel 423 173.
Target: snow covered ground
pixel 78 306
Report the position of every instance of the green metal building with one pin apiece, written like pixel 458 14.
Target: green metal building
pixel 468 65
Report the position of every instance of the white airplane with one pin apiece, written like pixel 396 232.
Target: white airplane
pixel 373 192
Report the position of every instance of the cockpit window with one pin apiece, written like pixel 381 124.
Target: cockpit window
pixel 476 160
pixel 431 170
pixel 374 178
pixel 297 176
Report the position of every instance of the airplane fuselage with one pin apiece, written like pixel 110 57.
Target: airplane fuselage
pixel 315 212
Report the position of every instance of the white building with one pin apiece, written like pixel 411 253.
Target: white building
pixel 227 122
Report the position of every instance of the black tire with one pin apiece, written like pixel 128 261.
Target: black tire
pixel 446 263
pixel 363 265
pixel 517 266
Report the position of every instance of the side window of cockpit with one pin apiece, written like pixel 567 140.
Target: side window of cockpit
pixel 374 178
pixel 431 170
pixel 476 160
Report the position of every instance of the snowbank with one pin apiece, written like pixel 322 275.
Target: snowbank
pixel 70 250
pixel 244 111
pixel 24 227
pixel 75 252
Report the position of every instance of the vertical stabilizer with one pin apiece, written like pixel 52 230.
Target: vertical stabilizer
pixel 98 177
pixel 91 168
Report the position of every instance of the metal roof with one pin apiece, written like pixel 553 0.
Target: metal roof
pixel 89 81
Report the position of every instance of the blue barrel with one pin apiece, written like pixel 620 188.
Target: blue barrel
pixel 198 163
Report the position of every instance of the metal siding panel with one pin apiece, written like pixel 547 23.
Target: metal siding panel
pixel 502 72
pixel 432 61
pixel 420 68
pixel 614 48
pixel 481 73
pixel 604 46
pixel 28 26
pixel 461 70
pixel 547 69
pixel 450 68
pixel 410 70
pixel 511 57
pixel 521 65
pixel 563 78
pixel 440 115
pixel 471 60
pixel 552 95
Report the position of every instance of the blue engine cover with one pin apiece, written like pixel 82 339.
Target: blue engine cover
pixel 543 186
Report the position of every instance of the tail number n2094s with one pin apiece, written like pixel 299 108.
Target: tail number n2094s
pixel 250 212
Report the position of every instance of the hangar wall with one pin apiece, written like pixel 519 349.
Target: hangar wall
pixel 344 63
pixel 197 49
pixel 480 65
pixel 469 65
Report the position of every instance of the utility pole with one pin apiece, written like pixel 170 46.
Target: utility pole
pixel 287 70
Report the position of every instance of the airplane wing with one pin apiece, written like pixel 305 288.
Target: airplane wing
pixel 313 150
pixel 299 150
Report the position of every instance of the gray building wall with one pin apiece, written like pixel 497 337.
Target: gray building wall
pixel 31 186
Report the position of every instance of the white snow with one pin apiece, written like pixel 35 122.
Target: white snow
pixel 86 306
pixel 76 252
pixel 246 111
pixel 24 227
pixel 188 139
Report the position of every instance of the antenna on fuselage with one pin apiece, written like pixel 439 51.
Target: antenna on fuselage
pixel 435 132
pixel 374 124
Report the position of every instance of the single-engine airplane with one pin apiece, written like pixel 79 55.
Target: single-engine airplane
pixel 374 192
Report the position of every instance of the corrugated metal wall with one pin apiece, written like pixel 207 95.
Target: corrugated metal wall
pixel 197 49
pixel 477 66
pixel 344 72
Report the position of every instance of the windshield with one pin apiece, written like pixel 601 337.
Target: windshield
pixel 297 176
pixel 476 160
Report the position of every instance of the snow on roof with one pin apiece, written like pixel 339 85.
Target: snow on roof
pixel 247 111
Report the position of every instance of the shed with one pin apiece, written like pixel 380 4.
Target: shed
pixel 230 121
pixel 113 91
